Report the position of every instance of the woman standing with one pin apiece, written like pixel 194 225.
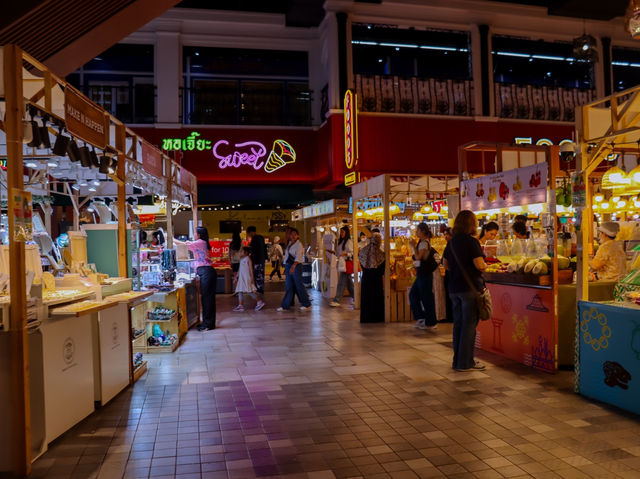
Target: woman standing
pixel 488 232
pixel 465 262
pixel 207 276
pixel 610 261
pixel 293 259
pixel 344 252
pixel 234 252
pixel 372 261
pixel 421 295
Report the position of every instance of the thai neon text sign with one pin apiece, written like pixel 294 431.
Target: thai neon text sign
pixel 190 143
pixel 350 137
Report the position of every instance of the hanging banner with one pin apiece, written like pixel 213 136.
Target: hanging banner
pixel 187 180
pixel 152 160
pixel 519 187
pixel 85 120
pixel 22 215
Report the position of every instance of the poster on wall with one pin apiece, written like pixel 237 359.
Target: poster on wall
pixel 22 215
pixel 522 186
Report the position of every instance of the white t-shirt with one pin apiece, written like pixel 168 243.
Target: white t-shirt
pixel 342 247
pixel 295 253
pixel 422 245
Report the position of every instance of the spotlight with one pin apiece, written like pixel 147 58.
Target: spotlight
pixel 83 182
pixel 45 142
pixel 35 129
pixel 105 164
pixel 51 163
pixel 31 164
pixel 95 163
pixel 73 151
pixel 92 188
pixel 114 166
pixel 85 156
pixel 61 145
pixel 584 48
pixel 96 182
pixel 76 187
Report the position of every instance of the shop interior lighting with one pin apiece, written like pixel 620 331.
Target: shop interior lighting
pixel 409 45
pixel 584 48
pixel 31 164
pixel 92 188
pixel 615 178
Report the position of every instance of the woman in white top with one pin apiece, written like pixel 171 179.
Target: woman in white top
pixel 344 252
pixel 293 259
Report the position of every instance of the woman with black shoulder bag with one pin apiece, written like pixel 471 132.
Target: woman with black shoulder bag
pixel 421 296
pixel 464 260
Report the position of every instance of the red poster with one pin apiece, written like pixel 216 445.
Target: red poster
pixel 522 326
pixel 220 249
pixel 152 160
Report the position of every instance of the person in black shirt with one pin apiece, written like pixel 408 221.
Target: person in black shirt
pixel 258 257
pixel 464 261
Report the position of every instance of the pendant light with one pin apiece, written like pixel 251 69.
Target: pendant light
pixel 615 179
pixel 634 180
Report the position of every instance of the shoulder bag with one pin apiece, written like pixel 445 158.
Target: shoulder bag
pixel 429 264
pixel 483 298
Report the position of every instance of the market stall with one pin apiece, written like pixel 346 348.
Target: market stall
pixel 607 360
pixel 64 316
pixel 401 202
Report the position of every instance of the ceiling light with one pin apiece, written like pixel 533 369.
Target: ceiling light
pixel 52 163
pixel 615 178
pixel 83 182
pixel 96 182
pixel 92 188
pixel 90 209
pixel 584 48
pixel 31 164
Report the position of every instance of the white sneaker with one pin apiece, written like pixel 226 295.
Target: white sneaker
pixel 305 308
pixel 280 309
pixel 334 304
pixel 259 306
pixel 419 324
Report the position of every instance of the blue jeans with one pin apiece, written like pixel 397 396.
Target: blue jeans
pixel 344 279
pixel 294 284
pixel 465 321
pixel 423 303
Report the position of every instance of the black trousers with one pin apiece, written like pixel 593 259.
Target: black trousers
pixel 208 279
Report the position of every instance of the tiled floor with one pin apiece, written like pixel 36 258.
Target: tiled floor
pixel 318 395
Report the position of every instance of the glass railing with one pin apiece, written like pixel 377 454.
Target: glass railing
pixel 131 104
pixel 413 95
pixel 532 102
pixel 247 102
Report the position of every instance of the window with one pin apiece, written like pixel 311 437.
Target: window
pixel 385 50
pixel 250 87
pixel 530 62
pixel 625 63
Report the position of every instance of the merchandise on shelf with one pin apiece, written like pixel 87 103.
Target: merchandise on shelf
pixel 160 313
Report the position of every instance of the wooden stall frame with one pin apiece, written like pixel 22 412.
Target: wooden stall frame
pixel 121 141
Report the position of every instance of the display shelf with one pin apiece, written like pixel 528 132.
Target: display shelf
pixel 139 371
pixel 76 296
pixel 80 308
pixel 163 349
pixel 173 317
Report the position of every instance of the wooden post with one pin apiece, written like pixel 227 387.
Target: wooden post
pixel 387 249
pixel 169 199
pixel 20 411
pixel 121 137
pixel 585 214
pixel 194 209
pixel 356 260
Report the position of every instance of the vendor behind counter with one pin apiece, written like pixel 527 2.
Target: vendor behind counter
pixel 610 260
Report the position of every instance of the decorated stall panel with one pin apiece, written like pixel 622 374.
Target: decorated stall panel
pixel 610 354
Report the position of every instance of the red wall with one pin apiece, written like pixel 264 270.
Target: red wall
pixel 387 144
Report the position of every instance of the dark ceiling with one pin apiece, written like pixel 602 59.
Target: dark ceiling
pixel 309 13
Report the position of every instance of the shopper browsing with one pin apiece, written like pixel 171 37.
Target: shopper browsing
pixel 464 260
pixel 293 258
pixel 421 294
pixel 246 284
pixel 206 274
pixel 276 256
pixel 234 252
pixel 344 253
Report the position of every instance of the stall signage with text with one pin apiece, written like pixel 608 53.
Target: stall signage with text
pixel 84 120
pixel 527 140
pixel 152 160
pixel 22 215
pixel 522 186
pixel 319 209
pixel 235 155
pixel 351 138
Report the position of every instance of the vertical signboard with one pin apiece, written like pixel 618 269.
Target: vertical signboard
pixel 351 138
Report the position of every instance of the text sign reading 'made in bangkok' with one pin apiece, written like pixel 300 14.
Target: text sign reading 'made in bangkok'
pixel 235 155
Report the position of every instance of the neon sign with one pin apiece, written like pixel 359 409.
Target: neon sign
pixel 281 155
pixel 248 153
pixel 527 140
pixel 351 137
pixel 190 143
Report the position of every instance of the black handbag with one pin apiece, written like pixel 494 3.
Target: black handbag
pixel 429 264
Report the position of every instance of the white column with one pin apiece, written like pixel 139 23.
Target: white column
pixel 317 79
pixel 168 53
pixel 330 43
pixel 476 67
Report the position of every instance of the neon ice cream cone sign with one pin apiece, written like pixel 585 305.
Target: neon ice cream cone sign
pixel 247 153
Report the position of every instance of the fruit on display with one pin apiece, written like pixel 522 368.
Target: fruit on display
pixel 480 190
pixel 563 262
pixel 517 186
pixel 504 191
pixel 492 195
pixel 535 180
pixel 540 268
pixel 528 268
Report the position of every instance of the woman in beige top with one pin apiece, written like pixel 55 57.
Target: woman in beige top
pixel 610 261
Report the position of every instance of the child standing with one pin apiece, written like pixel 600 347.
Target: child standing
pixel 245 284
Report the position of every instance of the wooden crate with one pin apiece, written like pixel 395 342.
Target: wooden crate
pixel 400 309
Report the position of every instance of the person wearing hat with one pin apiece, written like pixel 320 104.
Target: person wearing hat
pixel 610 261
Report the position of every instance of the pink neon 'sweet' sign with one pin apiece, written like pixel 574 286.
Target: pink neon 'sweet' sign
pixel 252 155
